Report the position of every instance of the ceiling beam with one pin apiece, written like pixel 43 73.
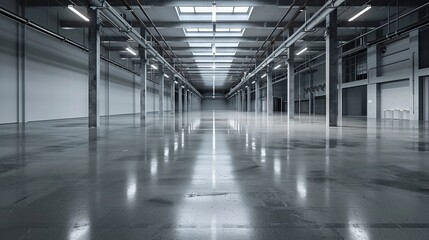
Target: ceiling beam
pixel 223 24
pixel 203 3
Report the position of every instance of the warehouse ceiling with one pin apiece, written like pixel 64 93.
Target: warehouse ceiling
pixel 239 39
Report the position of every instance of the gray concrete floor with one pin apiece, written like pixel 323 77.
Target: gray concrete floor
pixel 214 175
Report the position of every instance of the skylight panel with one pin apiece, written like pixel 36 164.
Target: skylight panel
pixel 225 9
pixel 222 29
pixel 227 44
pixel 209 44
pixel 205 29
pixel 192 29
pixel 186 9
pixel 210 53
pixel 203 10
pixel 200 44
pixel 241 9
pixel 213 60
pixel 235 29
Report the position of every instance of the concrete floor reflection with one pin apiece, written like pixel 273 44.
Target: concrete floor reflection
pixel 214 175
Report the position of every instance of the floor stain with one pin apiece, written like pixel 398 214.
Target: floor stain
pixel 248 168
pixel 161 201
pixel 191 195
pixel 6 167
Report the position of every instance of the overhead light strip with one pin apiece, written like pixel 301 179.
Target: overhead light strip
pixel 132 51
pixel 71 7
pixel 300 52
pixel 368 7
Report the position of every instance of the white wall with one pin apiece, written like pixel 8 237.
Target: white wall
pixel 394 95
pixel 213 104
pixel 8 71
pixel 56 81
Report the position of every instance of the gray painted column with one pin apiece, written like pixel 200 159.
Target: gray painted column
pixel 180 99
pixel 161 89
pixel 243 100
pixel 185 105
pixel 331 70
pixel 290 81
pixel 269 90
pixel 190 101
pixel 248 98
pixel 173 96
pixel 94 68
pixel 143 79
pixel 257 97
pixel 239 101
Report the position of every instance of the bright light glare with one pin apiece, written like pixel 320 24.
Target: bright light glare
pixel 264 75
pixel 277 66
pixel 130 50
pixel 214 12
pixel 153 66
pixel 360 13
pixel 186 9
pixel 241 9
pixel 71 7
pixel 303 50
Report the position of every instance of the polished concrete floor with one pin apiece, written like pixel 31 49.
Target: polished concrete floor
pixel 214 175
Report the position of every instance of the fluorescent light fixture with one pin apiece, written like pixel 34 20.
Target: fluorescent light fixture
pixel 187 9
pixel 213 49
pixel 192 29
pixel 368 7
pixel 222 29
pixel 165 75
pixel 214 12
pixel 71 7
pixel 303 50
pixel 130 50
pixel 277 66
pixel 175 82
pixel 246 86
pixel 153 66
pixel 264 75
pixel 253 82
pixel 235 29
pixel 183 86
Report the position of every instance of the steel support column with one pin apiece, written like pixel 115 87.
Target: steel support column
pixel 161 89
pixel 331 70
pixel 291 80
pixel 269 90
pixel 143 79
pixel 248 99
pixel 243 100
pixel 180 99
pixel 185 104
pixel 173 96
pixel 257 97
pixel 94 68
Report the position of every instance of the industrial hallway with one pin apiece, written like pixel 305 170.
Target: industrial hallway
pixel 214 175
